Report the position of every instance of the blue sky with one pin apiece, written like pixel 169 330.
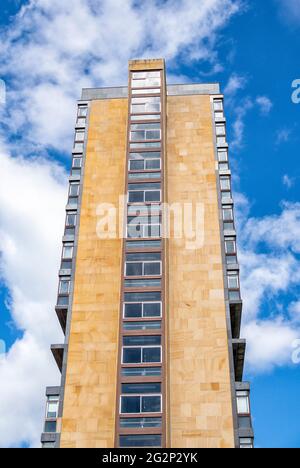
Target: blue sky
pixel 253 50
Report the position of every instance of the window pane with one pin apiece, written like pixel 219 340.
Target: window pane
pixel 141 340
pixel 233 282
pixel 230 247
pixel 139 388
pixel 131 355
pixel 134 269
pixel 143 297
pixel 52 409
pixel 68 252
pixel 64 287
pixel 82 111
pixel 152 310
pixel 153 164
pixel 151 404
pixel 137 165
pixel 74 190
pixel 141 325
pixel 245 422
pixel 143 283
pixel 152 269
pixel 143 257
pixel 50 426
pixel 141 371
pixel 77 162
pixel 151 355
pixel 153 196
pixel 132 310
pixel 71 220
pixel 140 422
pixel 243 405
pixel 140 441
pixel 135 197
pixel 130 404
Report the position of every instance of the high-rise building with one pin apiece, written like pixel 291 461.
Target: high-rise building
pixel 149 291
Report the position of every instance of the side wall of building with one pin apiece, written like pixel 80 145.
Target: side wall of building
pixel 199 384
pixel 91 378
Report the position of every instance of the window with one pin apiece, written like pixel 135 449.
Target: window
pixel 225 183
pixel 138 388
pixel 227 213
pixel 52 407
pixel 142 297
pixel 79 135
pixel 145 117
pixel 74 189
pixel 141 325
pixel 233 280
pixel 245 422
pixel 82 111
pixel 224 166
pixel 144 283
pixel 143 264
pixel 219 116
pixel 48 445
pixel 146 145
pixel 81 121
pixel 246 443
pixel 67 251
pixel 143 193
pixel 142 105
pixel 141 371
pixel 50 426
pixel 218 104
pixel 140 423
pixel 145 80
pixel 142 231
pixel 78 148
pixel 221 140
pixel 140 441
pixel 231 259
pixel 141 404
pixel 230 245
pixel 64 286
pixel 77 162
pixel 243 404
pixel 136 92
pixel 222 155
pixel 146 163
pixel 234 296
pixel 71 219
pixel 142 309
pixel 220 130
pixel 143 244
pixel 144 257
pixel 226 196
pixel 145 132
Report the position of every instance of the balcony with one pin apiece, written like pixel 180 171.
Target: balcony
pixel 245 428
pixel 236 317
pixel 49 435
pixel 58 354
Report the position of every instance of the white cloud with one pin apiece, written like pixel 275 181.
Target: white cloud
pixel 269 248
pixel 288 181
pixel 32 194
pixel 235 84
pixel 82 43
pixel 265 104
pixel 283 136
